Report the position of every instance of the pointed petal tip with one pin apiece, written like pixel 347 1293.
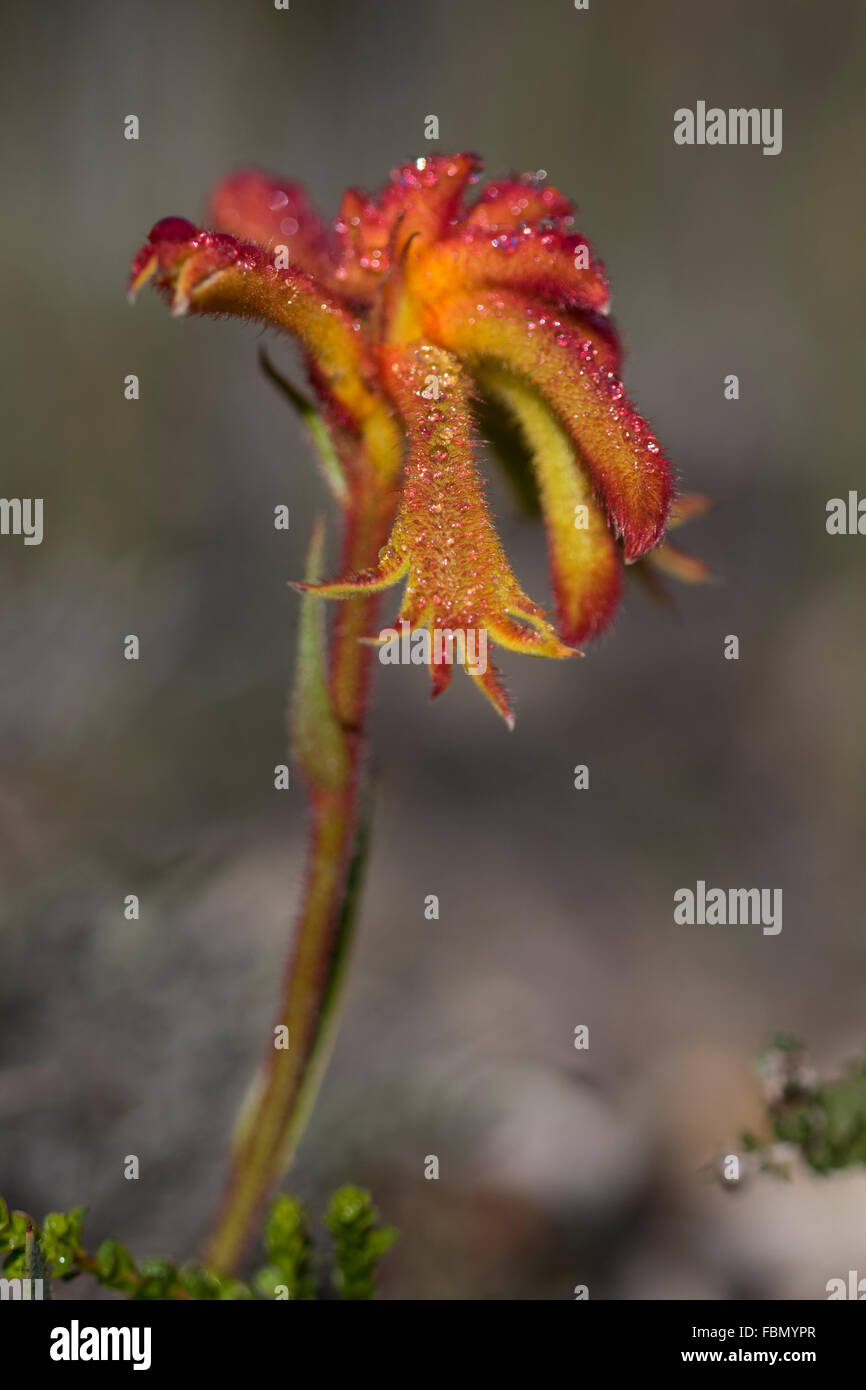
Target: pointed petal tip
pixel 143 269
pixel 348 588
pixel 686 506
pixel 586 624
pixel 679 564
pixel 639 542
pixel 440 678
pixel 492 689
pixel 537 639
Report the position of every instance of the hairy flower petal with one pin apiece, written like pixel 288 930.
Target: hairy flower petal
pixel 444 543
pixel 457 563
pixel 490 685
pixel 585 561
pixel 428 191
pixel 630 474
pixel 421 199
pixel 544 264
pixel 255 206
pixel 213 273
pixel 510 202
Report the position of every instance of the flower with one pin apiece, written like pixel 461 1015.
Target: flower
pixel 414 310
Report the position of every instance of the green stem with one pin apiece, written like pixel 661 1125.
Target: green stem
pixel 275 1113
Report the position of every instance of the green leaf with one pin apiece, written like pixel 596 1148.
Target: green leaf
pixel 359 1242
pixel 158 1278
pixel 290 1252
pixel 318 740
pixel 825 1120
pixel 233 1291
pixel 116 1267
pixel 61 1239
pixel 199 1283
pixel 328 457
pixel 13 1239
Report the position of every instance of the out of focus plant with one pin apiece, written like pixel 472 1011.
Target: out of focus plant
pixel 819 1120
pixel 56 1251
pixel 359 1242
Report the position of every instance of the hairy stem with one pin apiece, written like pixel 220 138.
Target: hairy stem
pixel 274 1114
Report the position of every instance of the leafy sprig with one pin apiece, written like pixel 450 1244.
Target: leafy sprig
pixel 359 1242
pixel 821 1119
pixel 56 1250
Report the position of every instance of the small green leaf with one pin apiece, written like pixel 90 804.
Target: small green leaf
pixel 328 457
pixel 157 1280
pixel 290 1252
pixel 61 1239
pixel 14 1240
pixel 358 1242
pixel 318 741
pixel 199 1283
pixel 233 1291
pixel 116 1267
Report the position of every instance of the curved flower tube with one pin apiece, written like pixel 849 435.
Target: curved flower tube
pixel 444 544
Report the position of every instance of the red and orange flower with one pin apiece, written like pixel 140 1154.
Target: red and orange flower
pixel 413 310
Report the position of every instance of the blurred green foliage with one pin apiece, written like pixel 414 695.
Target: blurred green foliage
pixel 824 1119
pixel 291 1261
pixel 359 1242
pixel 56 1251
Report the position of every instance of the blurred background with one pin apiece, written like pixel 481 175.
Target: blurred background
pixel 557 1167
